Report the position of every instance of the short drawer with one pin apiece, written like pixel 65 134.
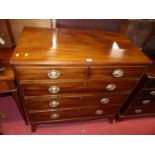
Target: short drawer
pixel 83 101
pixel 41 89
pixel 74 113
pixel 101 73
pixel 140 111
pixel 51 73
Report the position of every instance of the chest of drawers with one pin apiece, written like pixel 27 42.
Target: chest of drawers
pixel 75 75
pixel 142 101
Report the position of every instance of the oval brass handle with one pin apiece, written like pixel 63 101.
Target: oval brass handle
pixel 54 104
pixel 53 74
pixel 105 100
pixel 152 92
pixel 138 111
pixel 54 116
pixel 118 73
pixel 146 101
pixel 111 87
pixel 99 112
pixel 54 89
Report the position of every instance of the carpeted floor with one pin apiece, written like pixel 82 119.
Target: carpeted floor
pixel 14 125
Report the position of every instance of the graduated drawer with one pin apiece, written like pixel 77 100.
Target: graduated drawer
pixel 51 73
pixel 100 73
pixel 41 89
pixel 140 110
pixel 50 103
pixel 143 102
pixel 72 113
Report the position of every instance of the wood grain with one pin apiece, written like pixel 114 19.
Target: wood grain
pixel 102 73
pixel 74 113
pixel 40 73
pixel 70 102
pixel 86 60
pixel 75 47
pixel 41 89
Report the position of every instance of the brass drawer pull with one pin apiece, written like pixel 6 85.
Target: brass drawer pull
pixel 152 93
pixel 54 116
pixel 54 104
pixel 54 89
pixel 53 74
pixel 118 73
pixel 105 100
pixel 111 87
pixel 99 112
pixel 146 101
pixel 138 111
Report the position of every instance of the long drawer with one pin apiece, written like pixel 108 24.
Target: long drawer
pixel 40 89
pixel 89 101
pixel 51 73
pixel 74 113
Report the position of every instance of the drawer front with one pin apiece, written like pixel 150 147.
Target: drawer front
pixel 143 102
pixel 100 73
pixel 52 73
pixel 50 103
pixel 140 111
pixel 76 87
pixel 74 113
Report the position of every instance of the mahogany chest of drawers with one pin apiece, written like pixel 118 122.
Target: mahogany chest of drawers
pixel 74 75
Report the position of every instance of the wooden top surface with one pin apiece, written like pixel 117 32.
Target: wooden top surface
pixel 70 46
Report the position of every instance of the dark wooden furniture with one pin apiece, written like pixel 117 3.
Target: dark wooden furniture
pixel 7 80
pixel 140 32
pixel 74 75
pixel 142 101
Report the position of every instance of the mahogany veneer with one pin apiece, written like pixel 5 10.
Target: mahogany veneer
pixel 75 75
